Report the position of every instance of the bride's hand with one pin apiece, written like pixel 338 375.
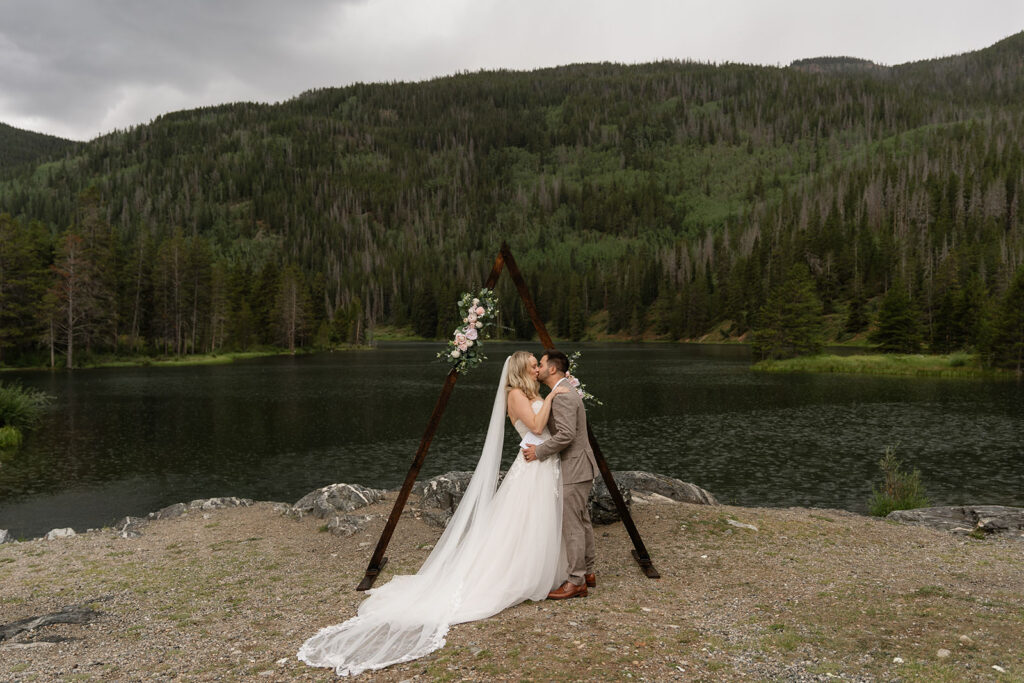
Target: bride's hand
pixel 560 390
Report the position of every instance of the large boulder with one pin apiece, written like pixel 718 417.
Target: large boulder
pixel 440 496
pixel 330 500
pixel 967 519
pixel 602 506
pixel 642 487
pixel 219 503
pixel 5 537
pixel 651 483
pixel 181 509
pixel 54 534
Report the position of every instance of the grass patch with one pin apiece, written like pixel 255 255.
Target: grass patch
pixel 900 491
pixel 905 365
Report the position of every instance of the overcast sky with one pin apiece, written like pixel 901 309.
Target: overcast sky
pixel 81 68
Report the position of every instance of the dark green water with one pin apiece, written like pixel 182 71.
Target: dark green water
pixel 129 441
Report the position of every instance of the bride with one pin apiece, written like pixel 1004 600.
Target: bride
pixel 502 546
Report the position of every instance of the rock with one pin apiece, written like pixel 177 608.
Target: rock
pixel 440 496
pixel 966 640
pixel 330 500
pixel 998 668
pixel 964 519
pixel 942 653
pixel 642 487
pixel 347 525
pixel 130 527
pixel 219 503
pixel 5 537
pixel 741 525
pixel 677 490
pixel 169 512
pixel 60 533
pixel 602 507
pixel 897 660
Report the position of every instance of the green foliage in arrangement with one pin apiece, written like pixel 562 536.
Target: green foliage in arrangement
pixel 900 490
pixel 21 407
pixel 641 201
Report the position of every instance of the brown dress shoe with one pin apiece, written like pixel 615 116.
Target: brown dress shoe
pixel 568 590
pixel 590 579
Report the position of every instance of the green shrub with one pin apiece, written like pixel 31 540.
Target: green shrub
pixel 10 438
pixel 20 407
pixel 901 490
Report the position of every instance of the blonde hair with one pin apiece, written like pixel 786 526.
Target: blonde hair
pixel 520 377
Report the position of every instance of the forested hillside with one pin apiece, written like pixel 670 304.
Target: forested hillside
pixel 658 199
pixel 21 147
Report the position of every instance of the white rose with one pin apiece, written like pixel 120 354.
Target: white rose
pixel 476 301
pixel 479 325
pixel 469 342
pixel 456 353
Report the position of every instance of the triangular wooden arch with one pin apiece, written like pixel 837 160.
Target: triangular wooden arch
pixel 378 560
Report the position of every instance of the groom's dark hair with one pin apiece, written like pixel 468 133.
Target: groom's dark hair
pixel 557 358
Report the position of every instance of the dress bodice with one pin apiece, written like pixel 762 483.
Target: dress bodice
pixel 522 429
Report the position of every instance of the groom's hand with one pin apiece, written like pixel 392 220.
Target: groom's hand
pixel 530 453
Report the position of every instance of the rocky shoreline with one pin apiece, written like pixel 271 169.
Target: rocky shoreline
pixel 439 496
pixel 228 588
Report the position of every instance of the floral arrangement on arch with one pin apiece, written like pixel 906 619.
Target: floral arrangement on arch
pixel 575 382
pixel 478 313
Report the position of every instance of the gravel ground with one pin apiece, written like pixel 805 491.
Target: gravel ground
pixel 810 595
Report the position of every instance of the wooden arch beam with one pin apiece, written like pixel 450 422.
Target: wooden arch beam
pixel 378 560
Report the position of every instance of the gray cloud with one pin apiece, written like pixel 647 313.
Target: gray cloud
pixel 79 68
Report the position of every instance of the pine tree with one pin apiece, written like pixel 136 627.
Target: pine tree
pixel 856 317
pixel 291 307
pixel 790 322
pixel 899 324
pixel 21 285
pixel 1008 341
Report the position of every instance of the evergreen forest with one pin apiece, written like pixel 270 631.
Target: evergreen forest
pixel 673 200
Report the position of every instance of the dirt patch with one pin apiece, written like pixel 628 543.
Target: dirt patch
pixel 809 594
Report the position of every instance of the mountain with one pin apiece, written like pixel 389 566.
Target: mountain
pixel 658 199
pixel 22 147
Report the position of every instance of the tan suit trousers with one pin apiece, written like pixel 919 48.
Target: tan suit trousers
pixel 577 531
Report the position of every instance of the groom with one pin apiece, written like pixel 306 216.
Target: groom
pixel 569 441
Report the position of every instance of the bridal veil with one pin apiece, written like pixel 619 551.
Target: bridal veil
pixel 467 576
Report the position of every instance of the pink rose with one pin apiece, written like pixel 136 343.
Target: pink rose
pixel 471 333
pixel 480 310
pixel 573 381
pixel 463 346
pixel 471 318
pixel 460 339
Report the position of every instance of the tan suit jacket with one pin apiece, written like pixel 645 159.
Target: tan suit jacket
pixel 569 441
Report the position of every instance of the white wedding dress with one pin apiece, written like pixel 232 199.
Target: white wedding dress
pixel 502 546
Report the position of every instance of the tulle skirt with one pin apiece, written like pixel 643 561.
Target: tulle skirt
pixel 510 552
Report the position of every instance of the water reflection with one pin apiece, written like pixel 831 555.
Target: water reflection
pixel 128 441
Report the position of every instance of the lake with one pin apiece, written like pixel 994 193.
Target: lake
pixel 129 441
